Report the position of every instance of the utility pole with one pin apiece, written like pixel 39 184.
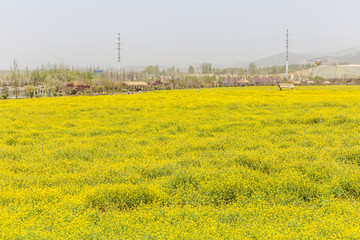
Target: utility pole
pixel 118 73
pixel 287 54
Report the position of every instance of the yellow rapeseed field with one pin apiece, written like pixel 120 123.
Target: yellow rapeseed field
pixel 230 163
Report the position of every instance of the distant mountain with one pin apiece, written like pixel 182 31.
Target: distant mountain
pixel 344 52
pixel 351 56
pixel 279 59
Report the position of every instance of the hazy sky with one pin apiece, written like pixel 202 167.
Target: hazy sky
pixel 170 32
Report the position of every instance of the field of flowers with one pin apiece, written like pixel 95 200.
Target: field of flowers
pixel 230 163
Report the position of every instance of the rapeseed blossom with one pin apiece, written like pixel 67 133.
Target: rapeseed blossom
pixel 231 163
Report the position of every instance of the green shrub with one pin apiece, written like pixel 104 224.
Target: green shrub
pixel 124 196
pixel 183 180
pixel 156 172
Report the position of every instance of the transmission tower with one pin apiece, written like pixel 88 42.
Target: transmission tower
pixel 118 48
pixel 287 54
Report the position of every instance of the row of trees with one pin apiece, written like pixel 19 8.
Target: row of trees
pixel 60 76
pixel 63 79
pixel 207 68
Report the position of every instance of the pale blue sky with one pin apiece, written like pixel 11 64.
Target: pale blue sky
pixel 170 32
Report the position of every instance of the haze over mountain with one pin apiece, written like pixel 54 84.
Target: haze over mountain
pixel 350 55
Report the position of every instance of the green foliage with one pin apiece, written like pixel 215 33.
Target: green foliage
pixel 206 68
pixel 191 69
pixel 252 69
pixel 154 70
